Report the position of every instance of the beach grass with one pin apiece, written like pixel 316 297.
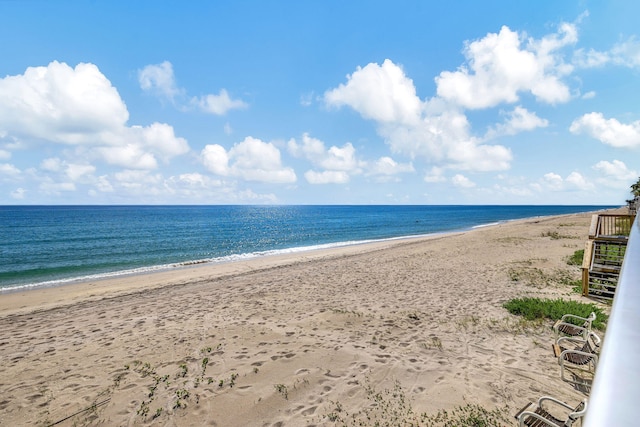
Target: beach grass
pixel 392 407
pixel 576 258
pixel 554 309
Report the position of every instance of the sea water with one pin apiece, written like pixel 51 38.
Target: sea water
pixel 52 245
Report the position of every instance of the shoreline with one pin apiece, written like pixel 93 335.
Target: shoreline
pixel 289 340
pixel 169 265
pixel 42 298
pixel 235 258
pixel 14 300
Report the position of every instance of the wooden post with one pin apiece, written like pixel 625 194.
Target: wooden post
pixel 586 266
pixel 593 229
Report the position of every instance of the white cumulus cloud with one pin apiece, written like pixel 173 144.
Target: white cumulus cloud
pixel 625 53
pixel 8 169
pixel 49 186
pixel 340 158
pixel 103 184
pixel 579 181
pixel 574 181
pixel 218 104
pixel 379 92
pixel 60 104
pixel 431 130
pixel 435 175
pixel 616 173
pixel 553 181
pixel 326 177
pixel 73 171
pixel 159 78
pixel 216 159
pixel 462 181
pixel 518 120
pixel 387 166
pixel 500 67
pixel 141 180
pixel 251 160
pixel 78 106
pixel 333 159
pixel 195 186
pixel 159 139
pixel 131 156
pixel 608 131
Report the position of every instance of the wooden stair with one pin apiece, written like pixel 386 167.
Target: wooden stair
pixel 604 253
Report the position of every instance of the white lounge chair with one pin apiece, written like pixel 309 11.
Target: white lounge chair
pixel 578 355
pixel 564 326
pixel 550 412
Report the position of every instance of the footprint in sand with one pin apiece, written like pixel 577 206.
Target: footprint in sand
pixel 382 358
pixel 309 411
pixel 330 375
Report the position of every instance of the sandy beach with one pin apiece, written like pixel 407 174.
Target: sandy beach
pixel 296 340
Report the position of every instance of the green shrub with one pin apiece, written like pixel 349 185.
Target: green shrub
pixel 536 308
pixel 576 286
pixel 576 258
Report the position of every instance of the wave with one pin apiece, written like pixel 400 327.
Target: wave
pixel 490 224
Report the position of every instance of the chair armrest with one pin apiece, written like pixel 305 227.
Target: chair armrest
pixel 542 420
pixel 554 400
pixel 573 316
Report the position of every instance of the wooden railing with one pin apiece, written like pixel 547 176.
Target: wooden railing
pixel 609 226
pixel 604 253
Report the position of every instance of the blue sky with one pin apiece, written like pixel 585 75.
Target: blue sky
pixel 319 102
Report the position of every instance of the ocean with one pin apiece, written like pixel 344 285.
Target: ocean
pixel 52 245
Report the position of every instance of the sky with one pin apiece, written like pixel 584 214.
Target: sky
pixel 319 102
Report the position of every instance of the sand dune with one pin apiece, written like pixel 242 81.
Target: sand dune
pixel 295 340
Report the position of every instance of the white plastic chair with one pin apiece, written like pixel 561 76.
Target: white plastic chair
pixel 550 412
pixel 580 356
pixel 564 327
